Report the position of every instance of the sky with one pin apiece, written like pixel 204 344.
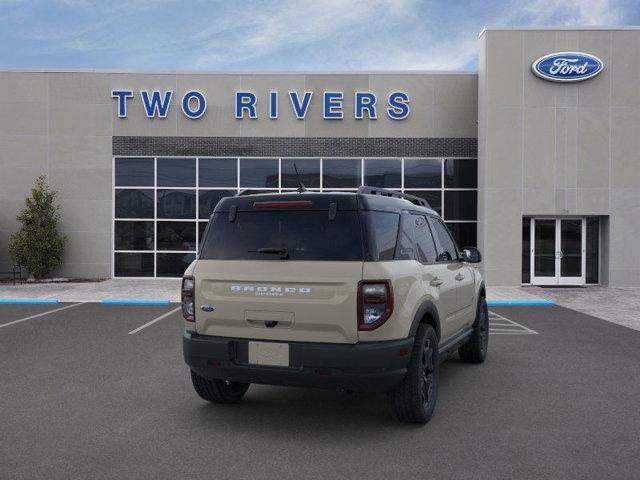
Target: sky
pixel 277 35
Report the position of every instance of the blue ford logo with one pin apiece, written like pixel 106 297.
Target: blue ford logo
pixel 567 66
pixel 207 308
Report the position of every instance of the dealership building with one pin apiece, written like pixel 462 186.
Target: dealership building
pixel 533 158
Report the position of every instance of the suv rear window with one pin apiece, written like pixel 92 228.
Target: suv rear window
pixel 305 234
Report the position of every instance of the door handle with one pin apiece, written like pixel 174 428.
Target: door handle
pixel 459 277
pixel 436 282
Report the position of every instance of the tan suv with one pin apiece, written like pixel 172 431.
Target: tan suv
pixel 357 291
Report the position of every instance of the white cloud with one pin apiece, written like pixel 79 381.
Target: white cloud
pixel 300 34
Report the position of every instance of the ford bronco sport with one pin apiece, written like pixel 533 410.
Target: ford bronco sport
pixel 358 291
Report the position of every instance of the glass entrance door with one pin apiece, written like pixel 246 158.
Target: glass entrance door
pixel 558 251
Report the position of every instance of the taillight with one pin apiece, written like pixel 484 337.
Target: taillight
pixel 375 303
pixel 188 299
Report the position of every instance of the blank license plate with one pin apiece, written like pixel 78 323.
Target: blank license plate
pixel 269 353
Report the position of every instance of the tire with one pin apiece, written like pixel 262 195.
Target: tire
pixel 218 391
pixel 415 399
pixel 475 349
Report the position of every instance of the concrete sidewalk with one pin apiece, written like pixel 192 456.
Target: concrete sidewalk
pixel 118 289
pixel 160 289
pixel 617 305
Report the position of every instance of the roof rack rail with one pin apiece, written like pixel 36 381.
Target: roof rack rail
pixel 383 192
pixel 250 191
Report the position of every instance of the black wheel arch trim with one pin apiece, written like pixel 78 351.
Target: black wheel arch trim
pixel 429 308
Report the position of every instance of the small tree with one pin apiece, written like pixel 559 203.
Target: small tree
pixel 38 246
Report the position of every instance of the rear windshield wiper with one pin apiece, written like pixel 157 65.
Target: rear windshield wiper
pixel 283 252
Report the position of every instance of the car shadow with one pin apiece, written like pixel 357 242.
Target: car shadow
pixel 283 411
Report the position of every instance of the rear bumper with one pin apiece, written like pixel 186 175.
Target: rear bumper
pixel 372 367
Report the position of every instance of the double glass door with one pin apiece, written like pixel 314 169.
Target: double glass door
pixel 558 251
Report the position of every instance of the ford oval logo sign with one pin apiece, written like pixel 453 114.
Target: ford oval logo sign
pixel 567 66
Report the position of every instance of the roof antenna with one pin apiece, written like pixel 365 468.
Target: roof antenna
pixel 301 187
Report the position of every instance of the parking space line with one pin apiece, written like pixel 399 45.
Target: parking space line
pixel 132 332
pixel 40 314
pixel 500 325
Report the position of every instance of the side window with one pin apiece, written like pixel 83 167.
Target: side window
pixel 383 233
pixel 448 250
pixel 405 249
pixel 425 246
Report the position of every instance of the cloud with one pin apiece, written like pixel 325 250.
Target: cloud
pixel 287 34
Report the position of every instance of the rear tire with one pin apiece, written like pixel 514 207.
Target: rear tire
pixel 218 391
pixel 415 399
pixel 475 349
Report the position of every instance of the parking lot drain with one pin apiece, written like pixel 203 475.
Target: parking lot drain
pixel 28 301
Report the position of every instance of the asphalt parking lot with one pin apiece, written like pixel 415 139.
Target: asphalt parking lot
pixel 84 397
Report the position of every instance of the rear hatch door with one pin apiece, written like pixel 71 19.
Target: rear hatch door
pixel 281 271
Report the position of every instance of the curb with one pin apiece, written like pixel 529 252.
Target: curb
pixel 520 303
pixel 115 301
pixel 28 301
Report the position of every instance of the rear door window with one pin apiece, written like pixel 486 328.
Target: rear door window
pixel 382 228
pixel 447 249
pixel 425 246
pixel 306 235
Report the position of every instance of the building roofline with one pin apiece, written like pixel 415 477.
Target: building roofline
pixel 562 27
pixel 237 72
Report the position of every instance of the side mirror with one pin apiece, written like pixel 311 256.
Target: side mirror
pixel 471 255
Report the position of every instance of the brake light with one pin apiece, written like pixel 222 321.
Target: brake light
pixel 375 303
pixel 188 299
pixel 283 204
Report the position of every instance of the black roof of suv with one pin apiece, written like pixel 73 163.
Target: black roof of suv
pixel 366 198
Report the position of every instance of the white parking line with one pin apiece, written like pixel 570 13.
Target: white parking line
pixel 39 315
pixel 499 325
pixel 154 321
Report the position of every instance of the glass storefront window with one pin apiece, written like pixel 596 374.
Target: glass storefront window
pixel 465 233
pixel 134 203
pixel 383 172
pixel 218 172
pixel 308 168
pixel 176 203
pixel 422 173
pixel 176 235
pixel 460 173
pixel 433 198
pixel 161 204
pixel 176 172
pixel 133 264
pixel 134 172
pixel 460 205
pixel 133 236
pixel 341 173
pixel 173 264
pixel 258 173
pixel 208 199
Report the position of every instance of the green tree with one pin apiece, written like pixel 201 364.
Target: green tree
pixel 38 246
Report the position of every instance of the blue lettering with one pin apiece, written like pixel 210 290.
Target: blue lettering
pixel 156 105
pixel 365 101
pixel 332 105
pixel 398 105
pixel 200 100
pixel 273 105
pixel 246 101
pixel 300 109
pixel 122 96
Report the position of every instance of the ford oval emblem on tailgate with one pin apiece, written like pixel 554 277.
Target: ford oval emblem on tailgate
pixel 207 308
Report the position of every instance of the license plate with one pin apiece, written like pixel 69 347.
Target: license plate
pixel 269 353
